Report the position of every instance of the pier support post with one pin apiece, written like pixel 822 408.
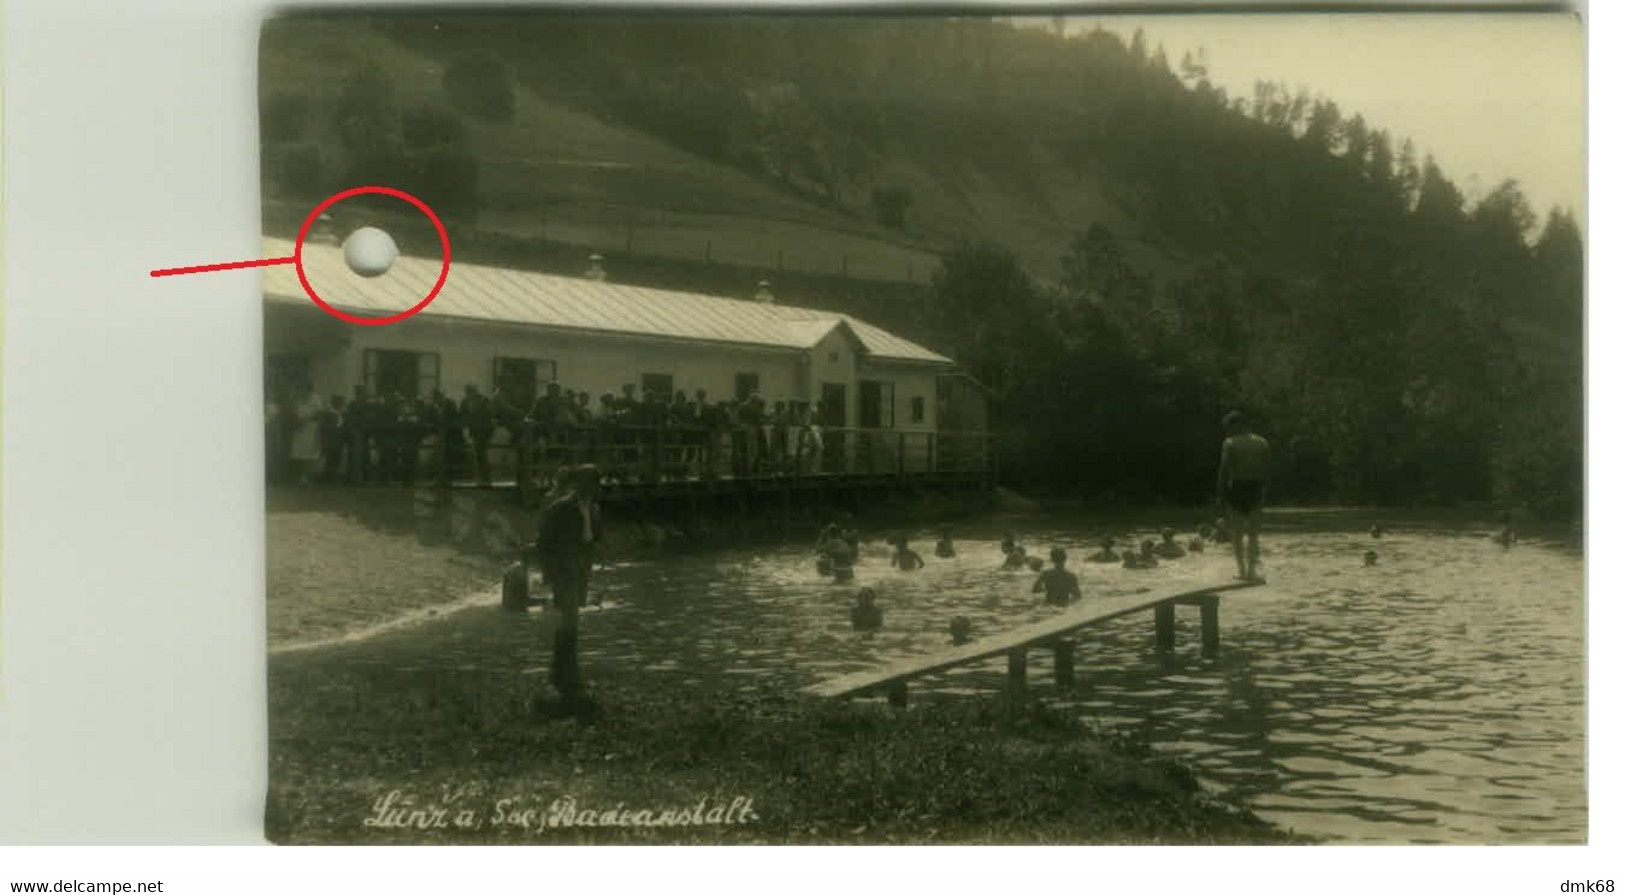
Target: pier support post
pixel 1165 626
pixel 1210 626
pixel 897 694
pixel 1065 675
pixel 1018 672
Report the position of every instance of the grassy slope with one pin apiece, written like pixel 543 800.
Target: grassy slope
pixel 565 175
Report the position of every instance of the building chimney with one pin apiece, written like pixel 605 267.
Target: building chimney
pixel 595 269
pixel 764 294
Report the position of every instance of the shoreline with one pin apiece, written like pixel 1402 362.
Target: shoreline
pixel 416 728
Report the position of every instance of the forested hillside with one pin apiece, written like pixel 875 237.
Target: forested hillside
pixel 1124 250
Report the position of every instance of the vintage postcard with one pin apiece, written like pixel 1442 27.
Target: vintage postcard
pixel 809 428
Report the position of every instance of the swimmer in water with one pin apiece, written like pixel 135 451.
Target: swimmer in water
pixel 959 630
pixel 1507 537
pixel 1168 549
pixel 838 557
pixel 1014 556
pixel 904 558
pixel 1371 557
pixel 866 616
pixel 1059 586
pixel 1145 559
pixel 945 545
pixel 516 584
pixel 1105 553
pixel 1376 530
pixel 1197 544
pixel 852 543
pixel 828 537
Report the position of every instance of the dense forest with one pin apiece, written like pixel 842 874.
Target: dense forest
pixel 1397 341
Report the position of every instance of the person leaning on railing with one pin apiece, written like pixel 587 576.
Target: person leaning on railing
pixel 479 416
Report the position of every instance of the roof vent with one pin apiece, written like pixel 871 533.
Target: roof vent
pixel 323 230
pixel 764 293
pixel 595 268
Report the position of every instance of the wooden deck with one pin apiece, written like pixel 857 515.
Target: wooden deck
pixel 1051 633
pixel 641 463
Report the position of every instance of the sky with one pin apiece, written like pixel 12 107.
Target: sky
pixel 1491 96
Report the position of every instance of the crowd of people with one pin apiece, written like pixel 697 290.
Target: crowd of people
pixel 837 551
pixel 394 438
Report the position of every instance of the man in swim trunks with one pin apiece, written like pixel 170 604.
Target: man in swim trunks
pixel 1244 464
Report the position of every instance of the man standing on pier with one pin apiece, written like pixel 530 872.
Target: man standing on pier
pixel 571 527
pixel 1244 467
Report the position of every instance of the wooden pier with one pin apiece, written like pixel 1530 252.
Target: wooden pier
pixel 1051 633
pixel 644 463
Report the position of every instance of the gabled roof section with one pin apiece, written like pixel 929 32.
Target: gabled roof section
pixel 500 295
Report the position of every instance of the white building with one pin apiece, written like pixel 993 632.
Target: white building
pixel 493 327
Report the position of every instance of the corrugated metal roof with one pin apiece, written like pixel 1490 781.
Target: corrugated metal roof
pixel 480 292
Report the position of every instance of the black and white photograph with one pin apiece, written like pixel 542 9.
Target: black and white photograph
pixel 730 427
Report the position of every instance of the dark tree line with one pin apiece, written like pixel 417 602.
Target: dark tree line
pixel 1403 371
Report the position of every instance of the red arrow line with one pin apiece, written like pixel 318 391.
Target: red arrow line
pixel 229 265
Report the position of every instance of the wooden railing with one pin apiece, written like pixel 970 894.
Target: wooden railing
pixel 529 453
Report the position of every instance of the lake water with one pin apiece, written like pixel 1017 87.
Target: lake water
pixel 1436 697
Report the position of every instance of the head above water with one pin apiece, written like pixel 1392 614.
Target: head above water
pixel 866 597
pixel 1371 557
pixel 1167 534
pixel 1057 556
pixel 587 480
pixel 1235 422
pixel 1148 546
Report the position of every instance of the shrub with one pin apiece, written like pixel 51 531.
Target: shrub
pixel 480 85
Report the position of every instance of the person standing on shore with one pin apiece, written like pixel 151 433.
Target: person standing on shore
pixel 1244 463
pixel 568 534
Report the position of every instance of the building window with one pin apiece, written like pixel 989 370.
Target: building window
pixel 410 374
pixel 286 376
pixel 520 379
pixel 876 404
pixel 657 384
pixel 916 409
pixel 745 385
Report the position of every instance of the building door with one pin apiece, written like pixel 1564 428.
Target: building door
pixel 832 402
pixel 876 408
pixel 833 399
